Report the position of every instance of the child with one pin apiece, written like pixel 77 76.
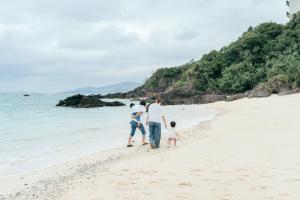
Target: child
pixel 172 133
pixel 135 114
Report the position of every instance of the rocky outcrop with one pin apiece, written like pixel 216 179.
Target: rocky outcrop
pixel 90 101
pixel 177 97
pixel 276 85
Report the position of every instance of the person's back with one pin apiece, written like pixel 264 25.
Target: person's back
pixel 172 133
pixel 135 111
pixel 155 112
pixel 154 120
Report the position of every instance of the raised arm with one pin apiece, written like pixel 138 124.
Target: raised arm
pixel 136 115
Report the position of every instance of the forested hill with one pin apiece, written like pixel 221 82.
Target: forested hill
pixel 264 60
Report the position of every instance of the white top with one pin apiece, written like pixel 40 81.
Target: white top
pixel 155 113
pixel 135 109
pixel 171 132
pixel 139 108
pixel 143 110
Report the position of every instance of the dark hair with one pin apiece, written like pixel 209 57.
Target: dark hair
pixel 131 105
pixel 143 103
pixel 173 124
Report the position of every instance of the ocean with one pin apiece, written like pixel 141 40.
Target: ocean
pixel 34 133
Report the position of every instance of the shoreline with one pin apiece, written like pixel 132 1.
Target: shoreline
pixel 33 178
pixel 246 152
pixel 104 136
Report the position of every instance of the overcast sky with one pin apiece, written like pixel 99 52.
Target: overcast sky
pixel 57 45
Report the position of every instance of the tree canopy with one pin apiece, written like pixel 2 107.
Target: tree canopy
pixel 264 54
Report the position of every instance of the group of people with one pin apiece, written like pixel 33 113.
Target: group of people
pixel 150 115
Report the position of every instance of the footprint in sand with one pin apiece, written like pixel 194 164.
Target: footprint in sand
pixel 218 172
pixel 262 187
pixel 227 195
pixel 284 195
pixel 270 198
pixel 291 180
pixel 288 169
pixel 152 182
pixel 196 170
pixel 185 184
pixel 241 169
pixel 265 176
pixel 245 175
pixel 122 183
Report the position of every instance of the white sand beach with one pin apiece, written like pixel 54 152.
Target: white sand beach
pixel 249 151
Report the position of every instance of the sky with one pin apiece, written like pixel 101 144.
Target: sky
pixel 58 45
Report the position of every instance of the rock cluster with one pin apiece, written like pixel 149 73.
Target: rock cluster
pixel 90 101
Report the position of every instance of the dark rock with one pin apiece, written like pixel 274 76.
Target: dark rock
pixel 277 85
pixel 82 101
pixel 189 97
pixel 26 95
pixel 262 90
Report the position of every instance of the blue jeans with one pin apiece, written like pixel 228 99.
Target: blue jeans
pixel 134 126
pixel 154 133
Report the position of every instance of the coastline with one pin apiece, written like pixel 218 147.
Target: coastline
pixel 246 152
pixel 27 185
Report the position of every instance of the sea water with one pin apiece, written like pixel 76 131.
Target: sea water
pixel 34 133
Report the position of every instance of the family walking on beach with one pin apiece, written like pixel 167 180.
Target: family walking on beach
pixel 153 120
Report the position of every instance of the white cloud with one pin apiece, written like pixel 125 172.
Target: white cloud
pixel 60 45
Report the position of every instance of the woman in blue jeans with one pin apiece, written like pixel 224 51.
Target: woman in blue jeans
pixel 154 121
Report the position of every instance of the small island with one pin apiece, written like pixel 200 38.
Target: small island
pixel 86 101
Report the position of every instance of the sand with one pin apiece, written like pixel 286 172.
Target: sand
pixel 249 151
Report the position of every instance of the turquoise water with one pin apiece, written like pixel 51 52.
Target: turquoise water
pixel 34 133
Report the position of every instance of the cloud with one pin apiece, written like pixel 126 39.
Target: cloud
pixel 50 46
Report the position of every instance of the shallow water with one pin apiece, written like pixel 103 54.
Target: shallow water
pixel 34 133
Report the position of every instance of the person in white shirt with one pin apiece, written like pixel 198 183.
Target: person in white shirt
pixel 154 121
pixel 172 133
pixel 137 112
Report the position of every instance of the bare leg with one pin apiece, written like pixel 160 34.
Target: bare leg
pixel 129 139
pixel 169 141
pixel 174 139
pixel 143 139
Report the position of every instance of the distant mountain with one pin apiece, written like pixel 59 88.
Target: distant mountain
pixel 108 89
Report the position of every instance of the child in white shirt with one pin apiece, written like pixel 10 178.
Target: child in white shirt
pixel 172 134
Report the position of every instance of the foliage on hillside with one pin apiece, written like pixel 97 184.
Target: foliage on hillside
pixel 262 55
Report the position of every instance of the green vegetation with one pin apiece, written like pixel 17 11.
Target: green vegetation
pixel 266 55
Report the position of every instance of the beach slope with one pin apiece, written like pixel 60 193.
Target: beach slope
pixel 249 151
